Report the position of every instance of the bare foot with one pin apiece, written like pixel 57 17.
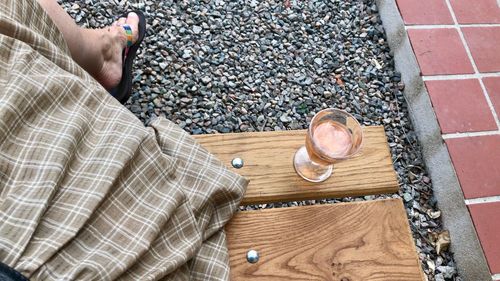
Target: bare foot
pixel 111 41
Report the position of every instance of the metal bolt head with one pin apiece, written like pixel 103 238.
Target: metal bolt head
pixel 237 163
pixel 252 256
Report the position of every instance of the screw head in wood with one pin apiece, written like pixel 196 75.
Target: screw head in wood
pixel 237 163
pixel 252 256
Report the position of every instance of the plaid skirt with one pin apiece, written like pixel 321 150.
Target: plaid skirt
pixel 86 191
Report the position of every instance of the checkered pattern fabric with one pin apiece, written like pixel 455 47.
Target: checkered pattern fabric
pixel 86 191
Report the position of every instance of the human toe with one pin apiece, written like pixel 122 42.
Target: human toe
pixel 121 21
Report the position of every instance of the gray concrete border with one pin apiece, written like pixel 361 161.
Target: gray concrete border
pixel 465 245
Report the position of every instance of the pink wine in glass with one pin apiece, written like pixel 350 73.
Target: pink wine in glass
pixel 333 135
pixel 333 140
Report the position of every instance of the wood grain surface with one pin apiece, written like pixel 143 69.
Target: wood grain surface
pixel 359 241
pixel 268 165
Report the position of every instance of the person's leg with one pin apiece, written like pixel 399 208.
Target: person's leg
pixel 98 51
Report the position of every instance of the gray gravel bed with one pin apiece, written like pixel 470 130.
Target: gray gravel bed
pixel 241 66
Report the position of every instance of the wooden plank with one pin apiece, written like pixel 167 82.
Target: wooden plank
pixel 268 165
pixel 361 241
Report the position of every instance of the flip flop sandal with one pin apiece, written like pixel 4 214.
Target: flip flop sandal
pixel 124 89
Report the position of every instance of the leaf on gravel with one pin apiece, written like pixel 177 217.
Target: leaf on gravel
pixel 433 214
pixel 440 240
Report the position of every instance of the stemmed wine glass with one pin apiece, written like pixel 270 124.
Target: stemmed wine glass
pixel 333 135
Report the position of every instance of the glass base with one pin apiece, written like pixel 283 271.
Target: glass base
pixel 309 170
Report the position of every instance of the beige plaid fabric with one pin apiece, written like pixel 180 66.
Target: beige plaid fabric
pixel 86 191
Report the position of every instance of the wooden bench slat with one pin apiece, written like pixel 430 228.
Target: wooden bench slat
pixel 268 165
pixel 358 241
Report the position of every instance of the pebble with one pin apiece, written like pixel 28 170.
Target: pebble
pixel 439 277
pixel 206 79
pixel 407 197
pixel 186 54
pixel 197 29
pixel 447 271
pixel 157 102
pixel 285 118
